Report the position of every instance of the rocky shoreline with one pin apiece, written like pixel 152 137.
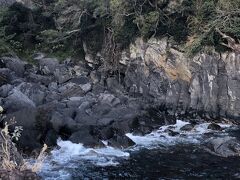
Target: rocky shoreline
pixel 87 103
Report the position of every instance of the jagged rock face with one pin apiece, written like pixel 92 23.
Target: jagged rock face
pixel 208 83
pixel 156 84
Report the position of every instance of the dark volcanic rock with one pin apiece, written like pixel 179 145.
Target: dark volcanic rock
pixel 154 85
pixel 33 91
pixel 48 66
pixel 214 126
pixel 120 141
pixel 151 119
pixel 51 138
pixel 17 101
pixel 225 147
pixel 30 136
pixel 5 89
pixel 171 132
pixel 14 64
pixel 85 137
pixel 187 127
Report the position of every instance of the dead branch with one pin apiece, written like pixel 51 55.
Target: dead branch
pixel 232 44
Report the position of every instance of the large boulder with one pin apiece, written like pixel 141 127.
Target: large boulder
pixel 63 74
pixel 33 91
pixel 47 66
pixel 7 76
pixel 61 121
pixel 5 89
pixel 150 119
pixel 31 134
pixel 17 101
pixel 224 147
pixel 14 64
pixel 86 137
pixel 37 78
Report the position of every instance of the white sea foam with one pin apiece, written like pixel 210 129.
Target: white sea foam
pixel 161 136
pixel 69 154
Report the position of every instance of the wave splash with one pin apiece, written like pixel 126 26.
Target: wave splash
pixel 70 155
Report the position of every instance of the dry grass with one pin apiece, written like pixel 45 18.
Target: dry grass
pixel 7 151
pixel 39 161
pixel 7 162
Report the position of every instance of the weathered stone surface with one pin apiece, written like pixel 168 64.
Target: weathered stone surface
pixel 27 119
pixel 207 83
pixel 187 127
pixel 214 126
pixel 33 91
pixel 225 147
pixel 85 137
pixel 5 89
pixel 48 65
pixel 14 64
pixel 155 84
pixel 17 101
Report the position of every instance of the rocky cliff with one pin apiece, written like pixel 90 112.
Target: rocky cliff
pixel 207 83
pixel 84 101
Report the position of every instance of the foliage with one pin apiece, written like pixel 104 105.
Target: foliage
pixel 111 25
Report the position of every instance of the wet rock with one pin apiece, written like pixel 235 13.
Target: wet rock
pixel 187 127
pixel 120 140
pixel 214 126
pixel 51 138
pixel 225 147
pixel 85 137
pixel 115 136
pixel 171 132
pixel 150 119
